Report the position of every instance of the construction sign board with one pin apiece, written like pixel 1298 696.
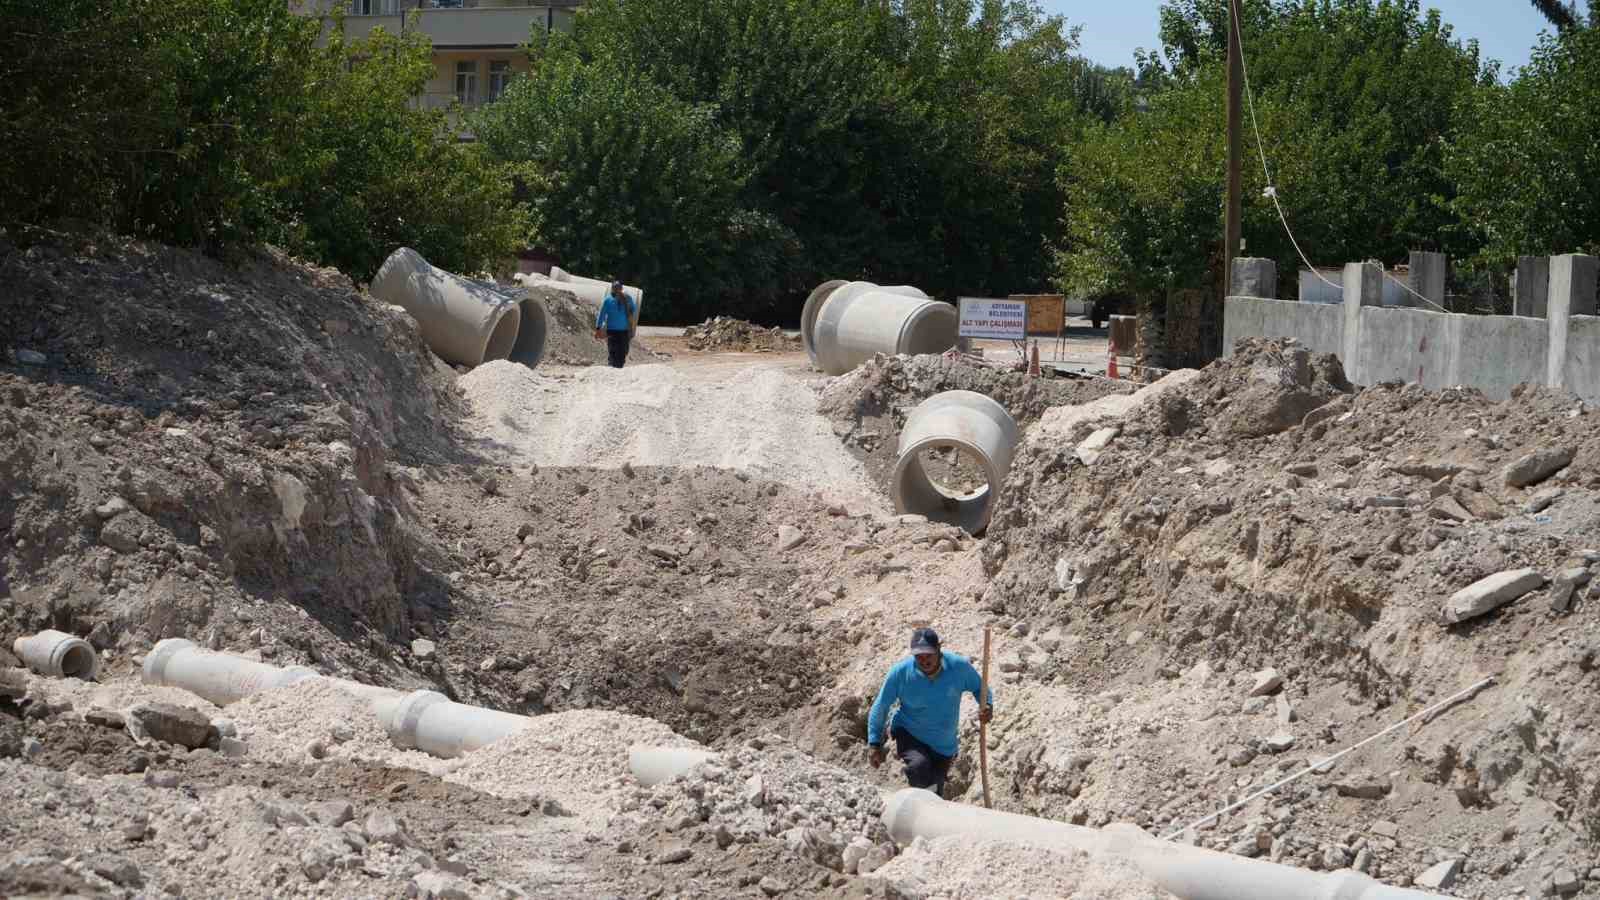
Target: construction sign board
pixel 991 319
pixel 1047 313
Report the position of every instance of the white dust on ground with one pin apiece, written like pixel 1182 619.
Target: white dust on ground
pixel 959 868
pixel 281 724
pixel 760 420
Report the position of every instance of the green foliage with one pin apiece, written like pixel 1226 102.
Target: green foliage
pixel 1356 102
pixel 215 122
pixel 1525 163
pixel 630 181
pixel 910 142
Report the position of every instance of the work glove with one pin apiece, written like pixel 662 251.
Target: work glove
pixel 875 756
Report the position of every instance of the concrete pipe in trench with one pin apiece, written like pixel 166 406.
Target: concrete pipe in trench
pixel 218 677
pixel 859 319
pixel 433 723
pixel 1191 873
pixel 654 765
pixel 465 322
pixel 975 427
pixel 58 654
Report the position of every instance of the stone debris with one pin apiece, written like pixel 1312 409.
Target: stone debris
pixel 423 648
pixel 790 537
pixel 729 334
pixel 1490 593
pixel 1567 581
pixel 1363 787
pixel 171 724
pixel 1537 466
pixel 1440 876
pixel 1265 682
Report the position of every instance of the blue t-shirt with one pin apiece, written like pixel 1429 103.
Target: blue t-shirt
pixel 930 708
pixel 615 315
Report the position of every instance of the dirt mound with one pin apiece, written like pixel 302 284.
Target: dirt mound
pixel 570 338
pixel 868 405
pixel 736 335
pixel 1325 546
pixel 204 448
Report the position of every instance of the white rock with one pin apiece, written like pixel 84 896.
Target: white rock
pixel 1091 448
pixel 1489 593
pixel 1266 682
pixel 422 648
pixel 790 537
pixel 855 852
pixel 1440 876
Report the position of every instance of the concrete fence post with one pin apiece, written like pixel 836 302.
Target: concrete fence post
pixel 1427 272
pixel 1532 286
pixel 1254 277
pixel 1363 286
pixel 1573 278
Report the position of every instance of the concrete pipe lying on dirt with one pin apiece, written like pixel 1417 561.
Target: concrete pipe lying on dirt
pixel 532 332
pixel 58 654
pixel 977 428
pixel 593 290
pixel 808 315
pixel 433 723
pixel 654 765
pixel 860 319
pixel 1191 873
pixel 219 677
pixel 464 321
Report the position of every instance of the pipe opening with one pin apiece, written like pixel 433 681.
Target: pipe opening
pixel 532 333
pixel 932 329
pixel 504 336
pixel 78 662
pixel 808 315
pixel 948 481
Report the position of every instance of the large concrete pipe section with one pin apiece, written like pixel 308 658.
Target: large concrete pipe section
pixel 463 321
pixel 593 290
pixel 433 723
pixel 58 654
pixel 653 765
pixel 1191 873
pixel 977 428
pixel 808 315
pixel 860 319
pixel 221 678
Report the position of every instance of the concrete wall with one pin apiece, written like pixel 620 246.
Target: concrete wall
pixel 1581 374
pixel 1437 350
pixel 1320 326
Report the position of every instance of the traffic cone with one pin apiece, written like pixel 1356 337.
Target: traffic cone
pixel 1033 361
pixel 1111 360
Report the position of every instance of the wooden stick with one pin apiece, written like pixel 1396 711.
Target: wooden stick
pixel 983 727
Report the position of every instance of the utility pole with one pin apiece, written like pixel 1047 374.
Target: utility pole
pixel 1231 227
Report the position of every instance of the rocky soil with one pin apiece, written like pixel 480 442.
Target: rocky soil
pixel 724 334
pixel 1195 591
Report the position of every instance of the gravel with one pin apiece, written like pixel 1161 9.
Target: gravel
pixel 759 420
pixel 281 725
pixel 959 867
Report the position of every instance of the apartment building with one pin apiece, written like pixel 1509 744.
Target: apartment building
pixel 475 42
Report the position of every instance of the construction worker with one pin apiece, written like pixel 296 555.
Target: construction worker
pixel 613 324
pixel 928 686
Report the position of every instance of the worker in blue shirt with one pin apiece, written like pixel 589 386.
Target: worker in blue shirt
pixel 614 324
pixel 928 686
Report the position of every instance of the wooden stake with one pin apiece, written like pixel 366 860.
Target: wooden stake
pixel 983 727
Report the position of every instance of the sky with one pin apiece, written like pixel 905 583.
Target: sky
pixel 1505 29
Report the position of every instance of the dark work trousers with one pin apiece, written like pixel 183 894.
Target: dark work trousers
pixel 924 768
pixel 617 347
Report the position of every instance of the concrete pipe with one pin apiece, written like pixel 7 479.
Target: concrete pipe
pixel 219 677
pixel 433 723
pixel 464 321
pixel 860 319
pixel 58 654
pixel 972 425
pixel 593 290
pixel 532 332
pixel 654 765
pixel 808 315
pixel 1191 873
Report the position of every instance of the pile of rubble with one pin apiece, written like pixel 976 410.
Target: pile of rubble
pixel 727 334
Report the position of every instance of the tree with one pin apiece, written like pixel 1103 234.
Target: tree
pixel 1524 161
pixel 1557 13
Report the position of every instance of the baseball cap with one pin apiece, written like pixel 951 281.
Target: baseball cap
pixel 924 640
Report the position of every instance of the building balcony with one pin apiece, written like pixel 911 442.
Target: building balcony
pixel 463 24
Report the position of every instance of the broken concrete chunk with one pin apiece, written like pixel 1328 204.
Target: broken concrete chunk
pixel 1385 502
pixel 1304 470
pixel 1285 710
pixel 1537 466
pixel 172 724
pixel 422 648
pixel 790 537
pixel 1280 742
pixel 1095 444
pixel 1439 876
pixel 1449 509
pixel 1567 582
pixel 1490 593
pixel 1541 501
pixel 1363 787
pixel 1266 682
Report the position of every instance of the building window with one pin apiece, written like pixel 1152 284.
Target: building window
pixel 467 82
pixel 374 7
pixel 499 77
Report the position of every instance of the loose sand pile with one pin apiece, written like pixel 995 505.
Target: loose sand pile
pixel 952 867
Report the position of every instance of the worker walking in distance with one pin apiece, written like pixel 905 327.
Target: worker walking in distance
pixel 614 324
pixel 928 686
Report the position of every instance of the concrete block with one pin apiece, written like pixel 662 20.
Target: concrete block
pixel 1439 876
pixel 1490 593
pixel 1532 286
pixel 1427 278
pixel 1363 287
pixel 1254 277
pixel 1572 293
